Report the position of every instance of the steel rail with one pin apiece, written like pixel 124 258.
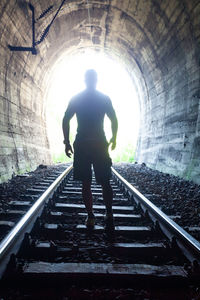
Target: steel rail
pixel 186 237
pixel 14 233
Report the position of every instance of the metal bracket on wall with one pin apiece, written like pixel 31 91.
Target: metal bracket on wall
pixel 44 34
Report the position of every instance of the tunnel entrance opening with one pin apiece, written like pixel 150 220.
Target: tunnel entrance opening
pixel 67 79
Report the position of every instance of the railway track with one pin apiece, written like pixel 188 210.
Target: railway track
pixel 51 243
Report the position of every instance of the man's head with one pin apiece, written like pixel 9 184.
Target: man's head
pixel 91 79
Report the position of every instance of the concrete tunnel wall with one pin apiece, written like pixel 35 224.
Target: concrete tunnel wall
pixel 157 41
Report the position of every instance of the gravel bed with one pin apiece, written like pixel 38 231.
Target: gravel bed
pixel 173 195
pixel 17 187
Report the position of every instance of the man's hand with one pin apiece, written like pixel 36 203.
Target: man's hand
pixel 113 143
pixel 68 150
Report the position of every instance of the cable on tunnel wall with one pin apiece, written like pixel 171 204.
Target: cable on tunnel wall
pixel 89 18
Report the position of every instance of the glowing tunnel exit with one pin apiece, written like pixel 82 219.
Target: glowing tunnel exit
pixel 67 79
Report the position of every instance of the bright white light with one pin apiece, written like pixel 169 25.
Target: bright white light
pixel 68 79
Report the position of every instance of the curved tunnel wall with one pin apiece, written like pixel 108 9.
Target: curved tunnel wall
pixel 157 41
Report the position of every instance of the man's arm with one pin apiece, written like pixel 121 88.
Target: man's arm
pixel 66 128
pixel 114 124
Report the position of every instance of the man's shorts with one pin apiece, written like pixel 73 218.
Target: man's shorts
pixel 88 153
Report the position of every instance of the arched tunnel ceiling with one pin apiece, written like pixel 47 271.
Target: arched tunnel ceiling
pixel 157 41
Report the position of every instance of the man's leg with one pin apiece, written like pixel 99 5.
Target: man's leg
pixel 102 169
pixel 107 197
pixel 87 198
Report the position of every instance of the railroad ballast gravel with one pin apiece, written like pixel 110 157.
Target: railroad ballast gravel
pixel 173 195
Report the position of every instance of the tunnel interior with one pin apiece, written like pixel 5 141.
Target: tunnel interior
pixel 157 42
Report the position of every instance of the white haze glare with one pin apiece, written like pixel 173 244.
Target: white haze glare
pixel 67 79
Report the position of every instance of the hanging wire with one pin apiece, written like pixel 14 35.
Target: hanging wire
pixel 89 18
pixel 46 31
pixel 89 12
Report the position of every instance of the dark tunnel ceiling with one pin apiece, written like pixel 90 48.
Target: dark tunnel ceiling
pixel 135 32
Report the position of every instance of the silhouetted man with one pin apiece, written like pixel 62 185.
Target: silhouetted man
pixel 91 146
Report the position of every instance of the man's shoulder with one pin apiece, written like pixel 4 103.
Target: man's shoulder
pixel 88 94
pixel 78 96
pixel 75 100
pixel 103 96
